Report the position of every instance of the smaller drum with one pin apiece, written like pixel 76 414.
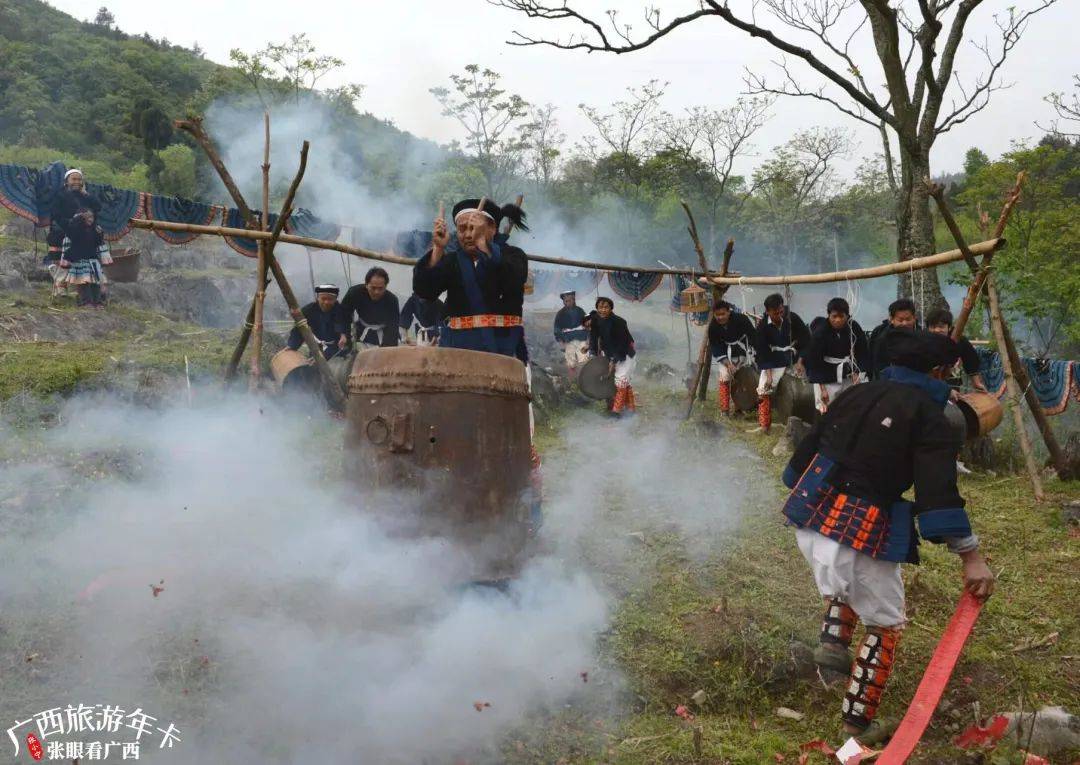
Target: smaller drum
pixel 292 370
pixel 744 388
pixel 595 379
pixel 794 397
pixel 982 412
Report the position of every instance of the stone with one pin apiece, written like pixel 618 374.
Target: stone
pixel 789 714
pixel 1070 512
pixel 782 448
pixel 699 698
pixel 637 535
pixel 1053 730
pixel 796 430
pixel 659 372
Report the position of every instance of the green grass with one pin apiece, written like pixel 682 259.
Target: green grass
pixel 145 342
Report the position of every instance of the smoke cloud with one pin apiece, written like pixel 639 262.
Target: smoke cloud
pixel 288 623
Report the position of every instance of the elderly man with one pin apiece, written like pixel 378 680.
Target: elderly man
pixel 328 321
pixel 940 321
pixel 731 343
pixel 483 277
pixel 571 334
pixel 376 311
pixel 847 478
pixel 782 336
pixel 838 356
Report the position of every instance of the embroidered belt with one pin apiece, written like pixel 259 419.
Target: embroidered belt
pixel 483 321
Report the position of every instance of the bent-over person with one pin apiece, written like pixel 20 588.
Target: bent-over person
pixel 838 355
pixel 328 320
pixel 609 336
pixel 853 526
pixel 375 309
pixel 731 343
pixel 571 334
pixel 782 336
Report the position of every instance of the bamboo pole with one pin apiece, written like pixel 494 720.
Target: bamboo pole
pixel 1011 383
pixel 916 264
pixel 972 296
pixel 260 282
pixel 194 127
pixel 245 334
pixel 700 387
pixel 1007 347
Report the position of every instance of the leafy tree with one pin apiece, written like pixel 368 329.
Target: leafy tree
pixel 1038 273
pixel 494 123
pixel 104 18
pixel 177 174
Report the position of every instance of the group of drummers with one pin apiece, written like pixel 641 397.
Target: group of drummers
pixel 833 353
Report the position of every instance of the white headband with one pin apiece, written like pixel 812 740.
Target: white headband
pixel 72 171
pixel 482 212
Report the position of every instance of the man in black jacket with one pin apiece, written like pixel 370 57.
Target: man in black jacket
pixel 901 314
pixel 847 477
pixel 376 311
pixel 781 338
pixel 838 356
pixel 731 343
pixel 609 336
pixel 940 320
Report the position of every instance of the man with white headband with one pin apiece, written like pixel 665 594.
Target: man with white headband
pixel 328 321
pixel 483 277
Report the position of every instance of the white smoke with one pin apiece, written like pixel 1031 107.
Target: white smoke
pixel 288 624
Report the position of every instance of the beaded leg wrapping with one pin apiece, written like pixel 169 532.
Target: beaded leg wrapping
pixel 619 402
pixel 764 412
pixel 631 401
pixel 723 396
pixel 873 665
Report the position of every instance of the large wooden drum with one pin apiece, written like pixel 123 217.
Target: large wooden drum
pixel 293 371
pixel 446 433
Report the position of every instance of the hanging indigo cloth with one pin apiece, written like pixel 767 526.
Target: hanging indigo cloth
pixel 634 286
pixel 29 193
pixel 243 245
pixel 118 207
pixel 304 222
pixel 179 210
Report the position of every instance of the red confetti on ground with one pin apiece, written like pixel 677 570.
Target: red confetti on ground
pixel 684 713
pixel 975 736
pixel 967 680
pixel 480 706
pixel 1034 759
pixel 584 677
pixel 778 757
pixel 156 590
pixel 817 745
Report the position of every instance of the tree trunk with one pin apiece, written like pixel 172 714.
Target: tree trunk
pixel 915 235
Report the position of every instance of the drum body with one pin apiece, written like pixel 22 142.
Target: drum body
pixel 982 412
pixel 442 437
pixel 744 388
pixel 292 370
pixel 595 379
pixel 794 397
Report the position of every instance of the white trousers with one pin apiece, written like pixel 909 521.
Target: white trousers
pixel 722 372
pixel 769 379
pixel 624 370
pixel 873 588
pixel 576 353
pixel 834 390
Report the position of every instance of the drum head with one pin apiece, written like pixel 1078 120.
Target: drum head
pixel 595 381
pixel 744 389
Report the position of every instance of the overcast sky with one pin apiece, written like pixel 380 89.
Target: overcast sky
pixel 399 49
